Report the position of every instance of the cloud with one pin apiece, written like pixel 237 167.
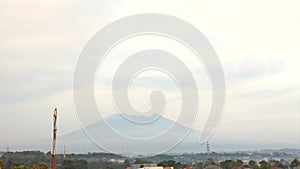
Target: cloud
pixel 257 43
pixel 39 46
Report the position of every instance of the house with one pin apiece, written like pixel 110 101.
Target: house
pixel 145 166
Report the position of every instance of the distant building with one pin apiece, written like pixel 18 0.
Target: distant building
pixel 188 167
pixel 145 166
pixel 168 168
pixel 153 167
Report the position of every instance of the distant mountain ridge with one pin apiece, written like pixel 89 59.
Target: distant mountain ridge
pixel 78 141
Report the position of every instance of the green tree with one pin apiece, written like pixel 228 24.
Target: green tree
pixel 41 166
pixel 228 164
pixel 285 163
pixel 239 163
pixel 264 165
pixel 20 167
pixel 277 164
pixel 294 163
pixel 78 164
pixel 253 164
pixel 1 164
pixel 126 163
pixel 141 161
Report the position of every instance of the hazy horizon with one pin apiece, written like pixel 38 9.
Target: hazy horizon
pixel 215 145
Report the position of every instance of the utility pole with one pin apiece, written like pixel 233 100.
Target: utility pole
pixel 53 164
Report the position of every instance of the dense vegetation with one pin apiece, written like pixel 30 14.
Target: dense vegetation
pixel 39 160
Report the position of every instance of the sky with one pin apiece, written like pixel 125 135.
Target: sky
pixel 257 43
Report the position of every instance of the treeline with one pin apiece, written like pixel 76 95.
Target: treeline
pixel 276 164
pixel 235 164
pixel 39 160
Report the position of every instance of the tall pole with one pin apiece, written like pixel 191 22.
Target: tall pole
pixel 54 139
pixel 207 148
pixel 208 151
pixel 64 152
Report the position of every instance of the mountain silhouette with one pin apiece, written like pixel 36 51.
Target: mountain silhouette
pixel 85 140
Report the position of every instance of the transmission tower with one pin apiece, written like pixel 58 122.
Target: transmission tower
pixel 207 148
pixel 208 151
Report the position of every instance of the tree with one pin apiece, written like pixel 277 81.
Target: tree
pixel 126 163
pixel 141 161
pixel 276 163
pixel 79 164
pixel 264 165
pixel 285 163
pixel 239 163
pixel 1 164
pixel 199 165
pixel 41 166
pixel 294 163
pixel 228 164
pixel 253 164
pixel 20 167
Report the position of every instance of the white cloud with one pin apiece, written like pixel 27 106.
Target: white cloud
pixel 257 42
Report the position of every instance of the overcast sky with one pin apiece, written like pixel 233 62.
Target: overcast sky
pixel 257 43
